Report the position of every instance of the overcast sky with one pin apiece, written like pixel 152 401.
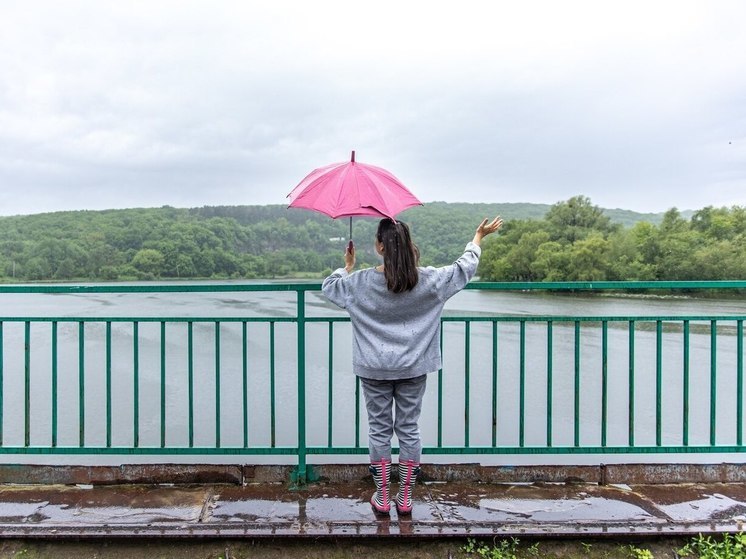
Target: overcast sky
pixel 638 105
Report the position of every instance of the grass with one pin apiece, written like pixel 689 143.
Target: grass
pixel 701 547
pixel 730 546
pixel 727 546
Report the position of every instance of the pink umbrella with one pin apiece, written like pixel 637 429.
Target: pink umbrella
pixel 349 189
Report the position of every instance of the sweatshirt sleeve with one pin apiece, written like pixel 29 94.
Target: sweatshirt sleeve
pixel 452 279
pixel 335 288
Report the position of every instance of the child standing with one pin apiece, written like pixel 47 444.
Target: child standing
pixel 395 311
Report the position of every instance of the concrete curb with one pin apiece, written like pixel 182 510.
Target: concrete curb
pixel 342 473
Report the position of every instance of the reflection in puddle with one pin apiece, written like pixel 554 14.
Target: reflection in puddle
pixel 588 508
pixel 255 510
pixel 712 506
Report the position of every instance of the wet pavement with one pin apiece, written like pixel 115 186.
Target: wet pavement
pixel 442 509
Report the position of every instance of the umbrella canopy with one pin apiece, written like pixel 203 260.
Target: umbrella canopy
pixel 350 189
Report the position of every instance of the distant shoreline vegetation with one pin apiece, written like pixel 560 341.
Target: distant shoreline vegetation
pixel 568 241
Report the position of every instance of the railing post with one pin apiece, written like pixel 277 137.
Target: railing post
pixel 2 383
pixel 54 384
pixel 713 381
pixel 739 382
pixel 522 385
pixel 303 473
pixel 27 382
pixel 108 384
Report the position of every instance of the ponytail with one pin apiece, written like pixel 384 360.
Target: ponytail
pixel 400 255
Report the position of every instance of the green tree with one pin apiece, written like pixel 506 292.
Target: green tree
pixel 148 261
pixel 553 261
pixel 589 259
pixel 509 255
pixel 625 258
pixel 575 219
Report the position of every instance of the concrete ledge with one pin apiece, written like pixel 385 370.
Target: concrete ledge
pixel 183 474
pixel 124 474
pixel 673 473
pixel 511 474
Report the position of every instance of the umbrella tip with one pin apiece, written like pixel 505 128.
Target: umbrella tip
pixel 352 157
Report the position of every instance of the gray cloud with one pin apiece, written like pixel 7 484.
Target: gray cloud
pixel 635 104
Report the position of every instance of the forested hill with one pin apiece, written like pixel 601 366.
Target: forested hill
pixel 228 241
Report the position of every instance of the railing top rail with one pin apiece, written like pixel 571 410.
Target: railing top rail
pixel 316 286
pixel 160 288
pixel 603 285
pixel 328 319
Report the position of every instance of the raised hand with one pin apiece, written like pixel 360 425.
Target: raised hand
pixel 487 227
pixel 350 257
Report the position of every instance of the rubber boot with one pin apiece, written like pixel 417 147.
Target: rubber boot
pixel 408 472
pixel 381 499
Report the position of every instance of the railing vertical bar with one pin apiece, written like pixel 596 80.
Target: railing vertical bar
pixel 522 386
pixel 54 384
pixel 604 380
pixel 631 385
pixel 685 396
pixel 467 351
pixel 163 384
pixel 440 394
pixel 217 387
pixel 494 383
pixel 190 373
pixel 272 410
pixel 136 383
pixel 27 382
pixel 739 382
pixel 108 384
pixel 658 382
pixel 2 374
pixel 577 384
pixel 301 341
pixel 550 381
pixel 357 411
pixel 245 381
pixel 713 381
pixel 330 397
pixel 81 384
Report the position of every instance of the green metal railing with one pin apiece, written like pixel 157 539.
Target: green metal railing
pixel 521 384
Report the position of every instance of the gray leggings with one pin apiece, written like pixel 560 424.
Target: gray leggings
pixel 406 394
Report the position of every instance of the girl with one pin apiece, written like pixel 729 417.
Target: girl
pixel 395 311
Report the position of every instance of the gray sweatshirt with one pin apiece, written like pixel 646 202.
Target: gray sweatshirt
pixel 397 335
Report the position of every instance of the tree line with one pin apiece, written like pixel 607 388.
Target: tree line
pixel 577 241
pixel 219 242
pixel 570 240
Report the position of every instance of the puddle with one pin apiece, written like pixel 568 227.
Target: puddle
pixel 589 508
pixel 254 510
pixel 715 506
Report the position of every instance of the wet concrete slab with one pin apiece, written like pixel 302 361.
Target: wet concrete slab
pixel 442 509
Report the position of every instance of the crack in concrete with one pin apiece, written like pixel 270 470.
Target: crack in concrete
pixel 208 506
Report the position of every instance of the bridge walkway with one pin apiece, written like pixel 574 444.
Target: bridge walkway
pixel 262 508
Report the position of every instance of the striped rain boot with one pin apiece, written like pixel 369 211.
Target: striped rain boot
pixel 381 499
pixel 408 472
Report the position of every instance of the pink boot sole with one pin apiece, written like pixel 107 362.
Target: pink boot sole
pixel 379 511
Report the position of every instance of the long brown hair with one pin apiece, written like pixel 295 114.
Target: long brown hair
pixel 399 255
